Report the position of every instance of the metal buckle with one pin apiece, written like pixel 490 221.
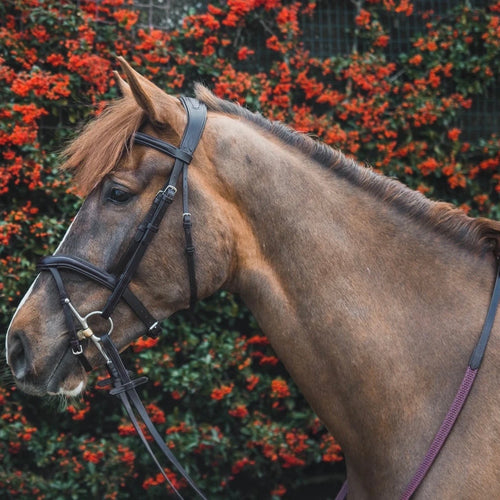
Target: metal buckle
pixel 79 351
pixel 169 192
pixel 154 330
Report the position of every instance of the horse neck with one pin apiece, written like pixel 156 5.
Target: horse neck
pixel 362 304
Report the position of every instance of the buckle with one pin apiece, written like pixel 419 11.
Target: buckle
pixel 76 348
pixel 154 330
pixel 169 192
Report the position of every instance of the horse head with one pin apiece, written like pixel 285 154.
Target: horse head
pixel 120 179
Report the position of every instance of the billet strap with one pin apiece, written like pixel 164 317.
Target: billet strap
pixel 459 401
pixel 197 117
pixel 190 249
pixel 124 389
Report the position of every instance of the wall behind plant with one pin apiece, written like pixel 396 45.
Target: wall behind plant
pixel 218 393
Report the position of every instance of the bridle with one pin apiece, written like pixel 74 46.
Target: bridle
pixel 80 332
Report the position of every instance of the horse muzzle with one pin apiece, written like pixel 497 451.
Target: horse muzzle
pixel 55 374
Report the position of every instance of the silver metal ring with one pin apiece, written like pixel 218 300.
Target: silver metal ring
pixel 94 313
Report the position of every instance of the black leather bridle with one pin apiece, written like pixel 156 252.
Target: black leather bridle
pixel 123 385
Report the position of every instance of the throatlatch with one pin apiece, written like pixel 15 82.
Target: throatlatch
pixel 123 386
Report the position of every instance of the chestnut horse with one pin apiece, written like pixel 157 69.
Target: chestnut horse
pixel 372 295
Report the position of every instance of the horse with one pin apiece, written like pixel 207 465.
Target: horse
pixel 372 295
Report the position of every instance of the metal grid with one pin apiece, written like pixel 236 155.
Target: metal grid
pixel 483 118
pixel 331 31
pixel 166 14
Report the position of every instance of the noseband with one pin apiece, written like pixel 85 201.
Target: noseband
pixel 123 385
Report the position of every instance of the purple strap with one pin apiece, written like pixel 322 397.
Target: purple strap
pixel 459 401
pixel 439 439
pixel 343 492
pixel 442 433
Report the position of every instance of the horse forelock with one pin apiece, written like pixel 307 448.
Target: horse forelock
pixel 477 235
pixel 97 150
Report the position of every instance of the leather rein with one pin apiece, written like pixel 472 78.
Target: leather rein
pixel 124 387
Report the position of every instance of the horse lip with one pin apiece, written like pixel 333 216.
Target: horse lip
pixel 69 393
pixel 39 386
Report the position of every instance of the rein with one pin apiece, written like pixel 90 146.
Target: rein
pixel 124 387
pixel 459 401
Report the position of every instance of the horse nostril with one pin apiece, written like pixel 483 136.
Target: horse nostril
pixel 19 355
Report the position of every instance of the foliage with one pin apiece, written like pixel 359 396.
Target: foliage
pixel 218 393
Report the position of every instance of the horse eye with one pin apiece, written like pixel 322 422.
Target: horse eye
pixel 117 195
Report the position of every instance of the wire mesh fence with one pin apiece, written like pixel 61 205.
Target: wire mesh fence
pixel 166 14
pixel 331 30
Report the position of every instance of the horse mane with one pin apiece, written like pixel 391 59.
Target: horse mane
pixel 476 234
pixel 102 142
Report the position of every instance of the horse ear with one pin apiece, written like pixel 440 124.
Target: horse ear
pixel 159 106
pixel 123 85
